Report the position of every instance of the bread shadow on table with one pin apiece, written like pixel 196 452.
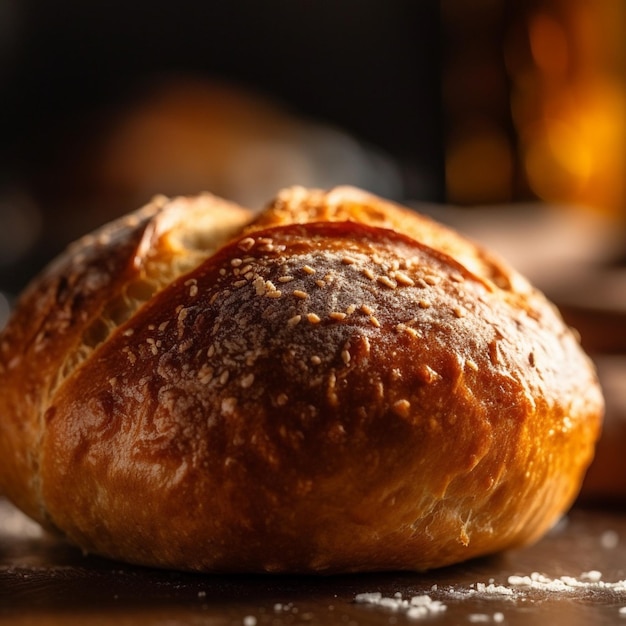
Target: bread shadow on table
pixel 47 572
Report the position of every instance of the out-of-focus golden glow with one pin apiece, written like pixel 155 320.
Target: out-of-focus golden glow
pixel 569 104
pixel 576 152
pixel 548 44
pixel 479 165
pixel 560 133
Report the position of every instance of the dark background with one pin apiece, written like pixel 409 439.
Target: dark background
pixel 371 68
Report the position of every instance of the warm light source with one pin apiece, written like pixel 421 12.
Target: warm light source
pixel 479 164
pixel 569 103
pixel 535 102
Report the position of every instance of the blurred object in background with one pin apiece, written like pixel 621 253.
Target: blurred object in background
pixel 535 102
pixel 184 135
pixel 567 61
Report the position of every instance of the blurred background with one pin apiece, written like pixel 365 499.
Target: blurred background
pixel 108 102
pixel 504 118
pixel 466 104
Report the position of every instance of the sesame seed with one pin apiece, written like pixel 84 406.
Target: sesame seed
pixel 458 311
pixel 412 331
pixel 345 357
pixel 348 260
pixel 259 285
pixel 401 407
pixel 246 244
pixel 285 279
pixel 331 394
pixel 350 309
pixel 307 269
pixel 224 377
pixel 131 356
pixel 366 309
pixel 368 273
pixel 471 364
pixel 240 283
pixel 128 332
pixel 269 285
pixel 244 270
pixel 316 360
pixel 273 294
pixel 229 405
pixel 205 375
pixel 424 304
pixel 386 281
pixel 432 280
pixel 236 262
pixel 457 278
pixel 247 381
pixel 183 346
pixel 300 294
pixel 337 315
pixel 163 325
pixel 320 283
pixel 403 279
pixel 249 275
pixel 374 321
pixel 214 297
pixel 313 318
pixel 266 240
pixel 222 272
pixel 294 320
pixel 282 399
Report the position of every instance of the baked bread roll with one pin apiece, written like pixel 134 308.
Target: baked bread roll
pixel 337 384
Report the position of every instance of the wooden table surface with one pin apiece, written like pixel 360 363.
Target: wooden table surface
pixel 45 581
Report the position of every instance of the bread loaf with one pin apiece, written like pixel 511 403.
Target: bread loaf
pixel 337 384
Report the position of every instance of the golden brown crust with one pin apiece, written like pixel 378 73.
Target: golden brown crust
pixel 77 302
pixel 323 393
